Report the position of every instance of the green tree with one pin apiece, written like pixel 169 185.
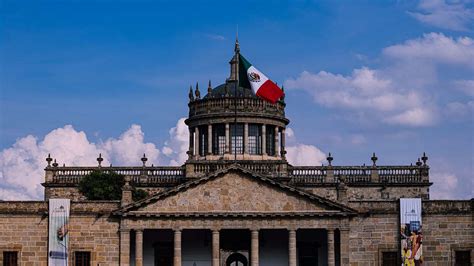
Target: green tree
pixel 100 185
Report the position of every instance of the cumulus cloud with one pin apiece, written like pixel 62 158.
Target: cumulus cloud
pixel 451 15
pixel 176 146
pixel 22 165
pixel 466 86
pixel 402 92
pixel 302 154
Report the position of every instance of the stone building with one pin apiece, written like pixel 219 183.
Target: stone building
pixel 237 201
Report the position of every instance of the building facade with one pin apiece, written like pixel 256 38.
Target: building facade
pixel 237 201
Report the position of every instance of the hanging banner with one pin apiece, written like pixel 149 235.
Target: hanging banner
pixel 411 232
pixel 58 232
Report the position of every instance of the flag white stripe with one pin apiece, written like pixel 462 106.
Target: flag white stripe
pixel 256 78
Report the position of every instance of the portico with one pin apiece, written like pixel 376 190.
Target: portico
pixel 219 220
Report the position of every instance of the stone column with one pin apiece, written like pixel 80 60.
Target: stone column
pixel 264 139
pixel 282 148
pixel 246 138
pixel 345 250
pixel 177 248
pixel 215 248
pixel 292 247
pixel 276 141
pixel 227 138
pixel 209 139
pixel 331 254
pixel 254 248
pixel 196 141
pixel 191 144
pixel 138 247
pixel 124 247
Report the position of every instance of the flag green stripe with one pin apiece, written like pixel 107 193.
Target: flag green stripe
pixel 244 65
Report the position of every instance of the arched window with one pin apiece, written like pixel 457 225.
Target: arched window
pixel 236 259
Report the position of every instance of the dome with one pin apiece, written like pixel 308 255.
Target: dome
pixel 228 90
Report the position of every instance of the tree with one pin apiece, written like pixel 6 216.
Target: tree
pixel 100 185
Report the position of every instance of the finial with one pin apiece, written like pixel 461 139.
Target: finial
pixel 283 96
pixel 55 164
pixel 198 93
pixel 329 158
pixel 419 163
pixel 100 159
pixel 424 158
pixel 209 89
pixel 191 95
pixel 237 45
pixel 144 159
pixel 374 159
pixel 48 159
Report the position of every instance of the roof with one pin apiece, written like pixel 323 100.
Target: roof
pixel 228 89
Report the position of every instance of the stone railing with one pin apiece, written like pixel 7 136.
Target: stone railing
pixel 227 105
pixel 313 175
pixel 138 174
pixel 297 175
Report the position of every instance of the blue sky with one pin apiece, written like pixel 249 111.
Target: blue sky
pixel 391 77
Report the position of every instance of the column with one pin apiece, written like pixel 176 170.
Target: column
pixel 191 143
pixel 292 247
pixel 209 139
pixel 344 240
pixel 124 247
pixel 215 248
pixel 177 248
pixel 196 141
pixel 246 138
pixel 331 255
pixel 264 139
pixel 227 138
pixel 138 247
pixel 282 148
pixel 276 141
pixel 254 248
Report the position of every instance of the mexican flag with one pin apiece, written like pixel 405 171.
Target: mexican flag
pixel 250 77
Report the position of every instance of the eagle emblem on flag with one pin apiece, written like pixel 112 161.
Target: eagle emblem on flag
pixel 254 77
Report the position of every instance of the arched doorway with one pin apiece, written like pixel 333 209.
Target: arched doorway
pixel 236 259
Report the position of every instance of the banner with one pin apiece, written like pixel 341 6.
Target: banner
pixel 58 232
pixel 411 232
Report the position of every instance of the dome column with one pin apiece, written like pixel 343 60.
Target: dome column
pixel 276 141
pixel 283 141
pixel 209 139
pixel 264 139
pixel 227 138
pixel 196 142
pixel 191 144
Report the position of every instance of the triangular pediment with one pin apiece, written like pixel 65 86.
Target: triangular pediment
pixel 234 190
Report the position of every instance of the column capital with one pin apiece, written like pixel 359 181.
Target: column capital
pixel 138 230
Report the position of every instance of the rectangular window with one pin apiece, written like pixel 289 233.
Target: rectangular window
pixel 270 140
pixel 463 258
pixel 10 258
pixel 237 138
pixel 203 140
pixel 82 258
pixel 255 139
pixel 218 139
pixel 389 258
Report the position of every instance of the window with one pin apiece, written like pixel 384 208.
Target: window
pixel 203 140
pixel 218 139
pixel 82 258
pixel 10 258
pixel 270 140
pixel 389 258
pixel 463 258
pixel 237 139
pixel 255 139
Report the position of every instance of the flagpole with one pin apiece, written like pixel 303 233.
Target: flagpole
pixel 237 51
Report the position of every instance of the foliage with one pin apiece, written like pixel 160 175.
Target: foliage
pixel 100 185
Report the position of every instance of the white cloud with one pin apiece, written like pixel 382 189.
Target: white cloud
pixel 22 165
pixel 302 154
pixel 459 110
pixel 177 145
pixel 435 48
pixel 444 186
pixel 467 86
pixel 453 15
pixel 418 116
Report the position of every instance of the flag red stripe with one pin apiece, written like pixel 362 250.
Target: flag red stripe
pixel 270 91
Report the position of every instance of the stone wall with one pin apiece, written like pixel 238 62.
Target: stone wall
pixel 24 227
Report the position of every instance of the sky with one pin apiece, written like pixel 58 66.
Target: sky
pixel 79 78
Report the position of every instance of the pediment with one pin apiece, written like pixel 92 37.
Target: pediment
pixel 234 190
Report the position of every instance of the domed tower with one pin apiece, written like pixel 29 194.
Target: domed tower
pixel 230 124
